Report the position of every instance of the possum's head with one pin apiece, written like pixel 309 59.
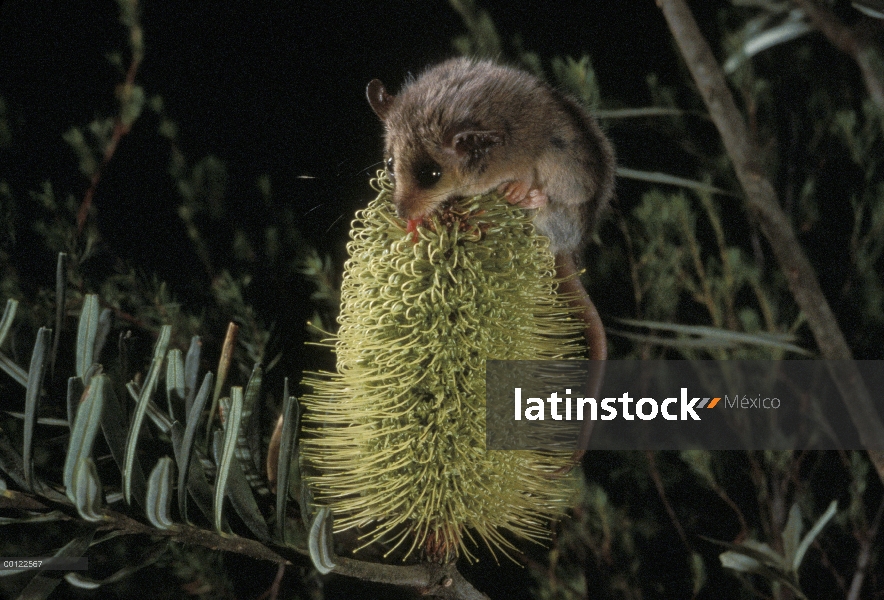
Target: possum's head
pixel 430 158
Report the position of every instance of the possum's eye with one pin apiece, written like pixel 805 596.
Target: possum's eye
pixel 389 166
pixel 428 175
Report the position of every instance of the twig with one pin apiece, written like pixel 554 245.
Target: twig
pixel 762 202
pixel 865 555
pixel 122 125
pixel 854 41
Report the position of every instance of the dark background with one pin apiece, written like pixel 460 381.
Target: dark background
pixel 279 89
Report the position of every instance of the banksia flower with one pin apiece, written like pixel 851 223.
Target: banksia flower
pixel 395 440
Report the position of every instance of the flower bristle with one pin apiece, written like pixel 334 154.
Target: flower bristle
pixel 395 439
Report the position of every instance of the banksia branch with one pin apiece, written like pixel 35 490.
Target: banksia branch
pixel 395 439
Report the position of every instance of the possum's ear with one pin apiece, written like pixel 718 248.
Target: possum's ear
pixel 475 142
pixel 380 100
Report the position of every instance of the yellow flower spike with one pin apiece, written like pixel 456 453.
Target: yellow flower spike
pixel 395 440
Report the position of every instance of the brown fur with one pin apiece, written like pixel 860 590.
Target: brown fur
pixel 465 127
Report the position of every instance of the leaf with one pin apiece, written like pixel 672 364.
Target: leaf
pixel 320 544
pixel 240 493
pixel 813 533
pixel 7 319
pixel 140 409
pixel 665 178
pixel 81 581
pixel 13 370
pixel 291 415
pixel 792 535
pixel 84 430
pixel 191 371
pixel 174 380
pixel 85 490
pixel 196 482
pixel 42 585
pixel 248 440
pixel 231 429
pixel 113 425
pixel 159 494
pixel 32 399
pixel 86 332
pixel 105 322
pixel 193 419
pixel 60 301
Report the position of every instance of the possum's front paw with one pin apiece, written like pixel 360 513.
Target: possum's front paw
pixel 522 194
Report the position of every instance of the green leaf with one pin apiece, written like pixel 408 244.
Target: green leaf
pixel 193 419
pixel 159 494
pixel 291 416
pixel 141 408
pixel 813 533
pixel 792 535
pixel 174 380
pixel 86 332
pixel 84 430
pixel 240 493
pixel 85 490
pixel 32 399
pixel 666 179
pixel 113 425
pixel 231 430
pixel 61 277
pixel 191 371
pixel 7 319
pixel 42 585
pixel 319 543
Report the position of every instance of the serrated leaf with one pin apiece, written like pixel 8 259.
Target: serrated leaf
pixel 84 430
pixel 193 419
pixel 291 415
pixel 141 408
pixel 85 490
pixel 42 585
pixel 7 319
pixel 231 430
pixel 792 535
pixel 86 332
pixel 174 380
pixel 813 533
pixel 32 399
pixel 159 494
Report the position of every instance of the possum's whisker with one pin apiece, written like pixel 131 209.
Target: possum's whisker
pixel 334 222
pixel 311 210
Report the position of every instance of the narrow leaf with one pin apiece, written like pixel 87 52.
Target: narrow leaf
pixel 113 425
pixel 85 491
pixel 60 300
pixel 223 366
pixel 191 371
pixel 666 179
pixel 193 419
pixel 231 429
pixel 32 399
pixel 792 534
pixel 86 332
pixel 13 370
pixel 141 408
pixel 84 430
pixel 159 494
pixel 291 415
pixel 248 441
pixel 7 319
pixel 813 533
pixel 197 484
pixel 174 380
pixel 319 543
pixel 42 585
pixel 241 497
pixel 105 323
